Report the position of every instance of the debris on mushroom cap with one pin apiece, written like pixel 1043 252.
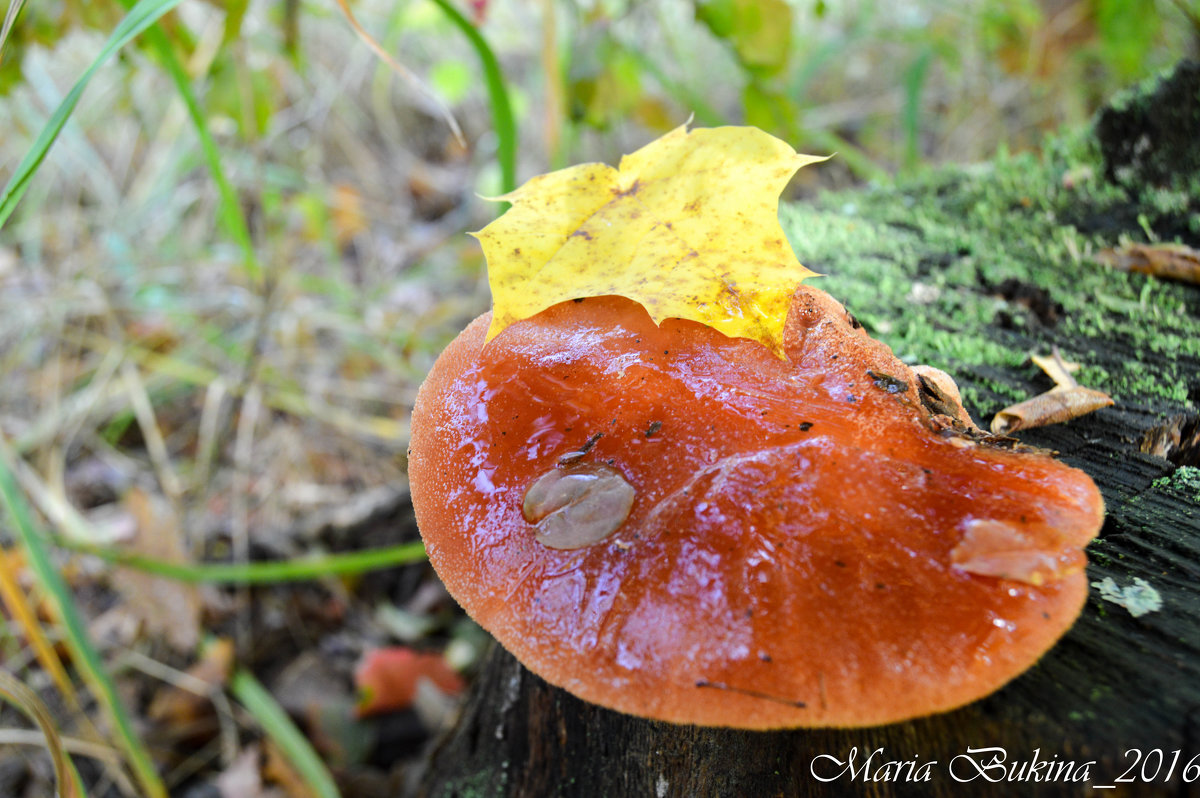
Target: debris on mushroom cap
pixel 576 505
pixel 809 541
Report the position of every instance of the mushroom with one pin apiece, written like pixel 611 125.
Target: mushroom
pixel 740 539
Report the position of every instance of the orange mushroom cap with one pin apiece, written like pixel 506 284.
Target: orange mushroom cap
pixel 803 542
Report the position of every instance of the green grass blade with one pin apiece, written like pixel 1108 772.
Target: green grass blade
pixel 502 115
pixel 142 16
pixel 82 652
pixel 704 113
pixel 914 82
pixel 860 162
pixel 257 573
pixel 14 8
pixel 78 535
pixel 279 727
pixel 231 216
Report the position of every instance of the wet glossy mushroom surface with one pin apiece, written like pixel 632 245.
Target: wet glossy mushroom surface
pixel 807 543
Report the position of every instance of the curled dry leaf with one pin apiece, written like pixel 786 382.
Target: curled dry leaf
pixel 687 227
pixel 1169 261
pixel 1065 401
pixel 1053 407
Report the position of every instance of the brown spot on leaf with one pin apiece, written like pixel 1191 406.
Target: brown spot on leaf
pixel 632 191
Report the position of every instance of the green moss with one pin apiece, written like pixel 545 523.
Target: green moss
pixel 482 784
pixel 921 265
pixel 1184 480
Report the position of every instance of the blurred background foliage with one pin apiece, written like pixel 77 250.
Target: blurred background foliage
pixel 906 83
pixel 244 248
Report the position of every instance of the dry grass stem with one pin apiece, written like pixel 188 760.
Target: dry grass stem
pixel 72 745
pixel 13 597
pixel 207 443
pixel 243 447
pixel 101 397
pixel 28 702
pixel 227 724
pixel 156 447
pixel 403 71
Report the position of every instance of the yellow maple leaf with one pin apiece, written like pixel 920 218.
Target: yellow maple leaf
pixel 688 227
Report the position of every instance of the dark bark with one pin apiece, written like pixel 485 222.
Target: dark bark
pixel 1115 681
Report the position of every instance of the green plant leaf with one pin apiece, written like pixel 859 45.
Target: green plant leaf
pixel 258 573
pixel 280 728
pixel 231 216
pixel 503 119
pixel 83 653
pixel 142 16
pixel 760 31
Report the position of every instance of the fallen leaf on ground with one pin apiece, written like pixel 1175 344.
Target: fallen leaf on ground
pixel 176 707
pixel 1065 401
pixel 278 770
pixel 313 688
pixel 1177 440
pixel 346 214
pixel 1169 261
pixel 688 227
pixel 167 608
pixel 387 678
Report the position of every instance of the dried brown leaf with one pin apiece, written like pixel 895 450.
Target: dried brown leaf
pixel 1065 401
pixel 279 771
pixel 165 607
pixel 1168 261
pixel 182 705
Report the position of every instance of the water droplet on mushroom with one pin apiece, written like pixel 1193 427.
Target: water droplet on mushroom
pixel 578 504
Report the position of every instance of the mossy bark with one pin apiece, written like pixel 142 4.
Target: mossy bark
pixel 971 270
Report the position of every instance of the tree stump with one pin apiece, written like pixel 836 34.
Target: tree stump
pixel 971 270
